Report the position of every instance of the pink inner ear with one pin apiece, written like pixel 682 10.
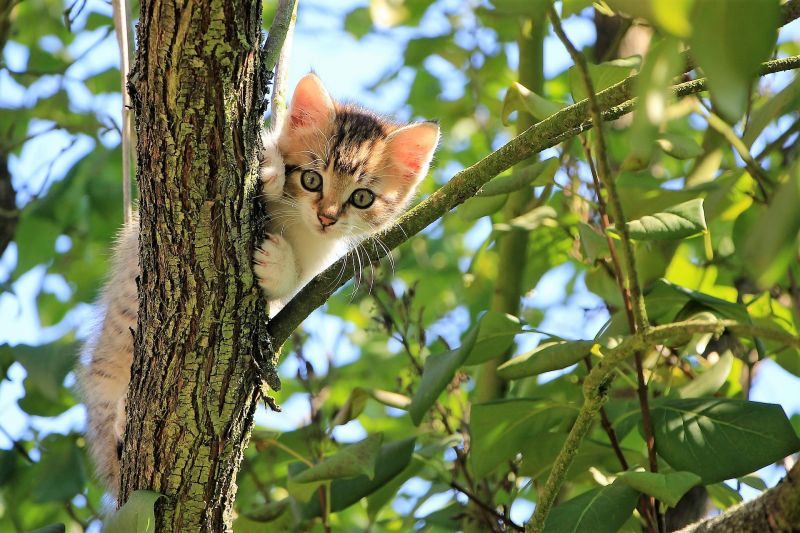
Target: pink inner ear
pixel 311 104
pixel 412 147
pixel 299 118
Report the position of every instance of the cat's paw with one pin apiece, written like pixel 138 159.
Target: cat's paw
pixel 271 168
pixel 275 267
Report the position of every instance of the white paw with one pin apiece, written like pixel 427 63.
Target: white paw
pixel 120 419
pixel 275 267
pixel 271 168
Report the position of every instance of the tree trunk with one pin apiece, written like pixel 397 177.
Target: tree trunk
pixel 198 100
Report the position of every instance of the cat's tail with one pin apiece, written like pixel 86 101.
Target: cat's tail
pixel 105 371
pixel 103 396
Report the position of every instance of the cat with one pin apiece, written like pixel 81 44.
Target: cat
pixel 331 175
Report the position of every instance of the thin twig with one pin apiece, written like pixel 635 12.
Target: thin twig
pixel 778 143
pixel 277 51
pixel 631 291
pixel 724 129
pixel 485 506
pixel 120 10
pixel 604 173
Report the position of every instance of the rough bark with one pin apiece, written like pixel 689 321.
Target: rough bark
pixel 777 509
pixel 198 101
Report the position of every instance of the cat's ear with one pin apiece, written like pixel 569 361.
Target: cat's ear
pixel 311 105
pixel 410 149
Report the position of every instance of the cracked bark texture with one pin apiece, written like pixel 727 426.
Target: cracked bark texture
pixel 199 104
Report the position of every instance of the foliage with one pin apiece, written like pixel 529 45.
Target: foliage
pixel 394 437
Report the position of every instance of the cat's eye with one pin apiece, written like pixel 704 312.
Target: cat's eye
pixel 362 198
pixel 311 180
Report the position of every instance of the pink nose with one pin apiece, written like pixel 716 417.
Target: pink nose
pixel 326 221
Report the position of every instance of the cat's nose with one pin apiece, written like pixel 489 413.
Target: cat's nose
pixel 326 220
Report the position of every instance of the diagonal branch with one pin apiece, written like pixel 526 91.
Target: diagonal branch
pixel 615 101
pixel 777 509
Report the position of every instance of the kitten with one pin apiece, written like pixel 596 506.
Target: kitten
pixel 332 175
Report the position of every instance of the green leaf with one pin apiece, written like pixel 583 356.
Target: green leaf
pixel 533 9
pixel 538 216
pixel 496 332
pixel 539 173
pixel 723 496
pixel 677 222
pixel 539 453
pixel 477 207
pixel 353 460
pixel 136 516
pixel 754 482
pixel 97 20
pixel 446 519
pixel 60 475
pixel 573 7
pixel 438 372
pixel 773 107
pixel 601 510
pixel 546 357
pixel 107 81
pixel 680 146
pixel 36 238
pixel 388 492
pixel 46 368
pixel 269 512
pixel 668 488
pixel 670 15
pixel 358 22
pixel 667 302
pixel 720 439
pixel 603 75
pixel 352 408
pixel 653 96
pixel 593 243
pixel 520 98
pixel 673 15
pixel 729 42
pixel 500 429
pixel 771 244
pixel 47 365
pixel 392 459
pixel 709 381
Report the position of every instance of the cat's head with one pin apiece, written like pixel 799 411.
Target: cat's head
pixel 348 171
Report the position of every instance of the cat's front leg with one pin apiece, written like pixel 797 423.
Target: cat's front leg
pixel 276 267
pixel 271 168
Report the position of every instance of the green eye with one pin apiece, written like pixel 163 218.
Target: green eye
pixel 362 198
pixel 311 180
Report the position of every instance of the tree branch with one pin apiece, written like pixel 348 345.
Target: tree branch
pixel 120 11
pixel 277 51
pixel 567 123
pixel 777 509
